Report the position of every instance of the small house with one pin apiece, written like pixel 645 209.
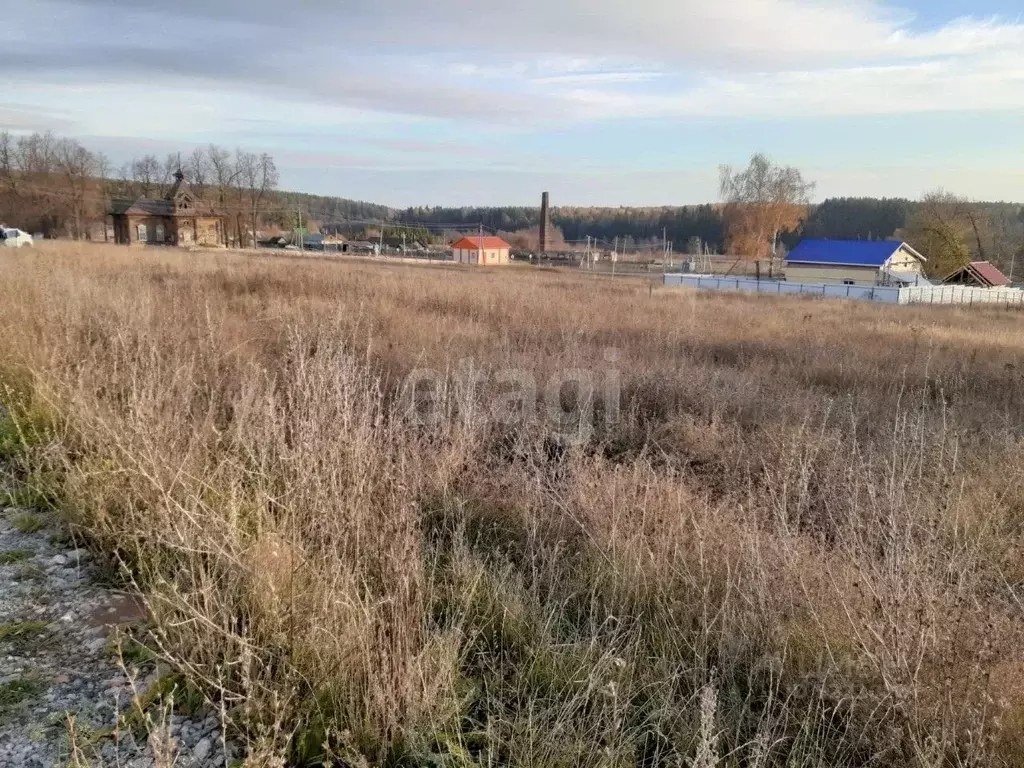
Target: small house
pixel 313 242
pixel 179 218
pixel 855 262
pixel 360 246
pixel 980 274
pixel 482 250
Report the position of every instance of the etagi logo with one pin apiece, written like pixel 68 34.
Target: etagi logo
pixel 568 402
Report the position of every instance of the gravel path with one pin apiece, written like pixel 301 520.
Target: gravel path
pixel 59 672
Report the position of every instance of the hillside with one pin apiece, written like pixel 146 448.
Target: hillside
pixel 705 529
pixel 836 218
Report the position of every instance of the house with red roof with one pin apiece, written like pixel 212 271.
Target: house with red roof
pixel 483 250
pixel 981 274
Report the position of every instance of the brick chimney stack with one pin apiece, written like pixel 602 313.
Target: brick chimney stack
pixel 544 223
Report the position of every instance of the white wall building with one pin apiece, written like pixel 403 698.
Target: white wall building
pixel 489 251
pixel 855 262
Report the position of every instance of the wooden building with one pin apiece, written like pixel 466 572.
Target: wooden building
pixel 980 274
pixel 488 251
pixel 179 218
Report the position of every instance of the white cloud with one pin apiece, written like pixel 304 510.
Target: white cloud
pixel 549 60
pixel 896 88
pixel 303 79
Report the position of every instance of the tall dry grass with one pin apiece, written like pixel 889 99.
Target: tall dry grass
pixel 798 545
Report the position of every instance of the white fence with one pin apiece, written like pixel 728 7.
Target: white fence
pixel 927 294
pixel 961 294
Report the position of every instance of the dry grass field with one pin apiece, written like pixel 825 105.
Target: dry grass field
pixel 794 535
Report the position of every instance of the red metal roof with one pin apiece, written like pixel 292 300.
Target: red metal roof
pixel 983 273
pixel 989 274
pixel 480 243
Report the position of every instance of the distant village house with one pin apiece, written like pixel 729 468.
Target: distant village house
pixel 177 219
pixel 855 262
pixel 980 274
pixel 481 250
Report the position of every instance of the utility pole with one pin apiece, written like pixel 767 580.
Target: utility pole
pixel 298 231
pixel 480 245
pixel 380 241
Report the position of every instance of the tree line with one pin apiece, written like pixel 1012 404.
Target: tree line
pixel 50 184
pixel 58 187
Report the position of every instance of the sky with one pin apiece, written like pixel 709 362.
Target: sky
pixel 481 102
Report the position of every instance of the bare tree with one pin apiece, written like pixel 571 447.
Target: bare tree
pixel 78 170
pixel 199 170
pixel 761 202
pixel 31 194
pixel 6 159
pixel 36 155
pixel 9 176
pixel 223 172
pixel 171 165
pixel 222 176
pixel 146 173
pixel 242 160
pixel 106 189
pixel 1007 247
pixel 949 230
pixel 259 176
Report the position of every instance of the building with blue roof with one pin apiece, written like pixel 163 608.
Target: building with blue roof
pixel 855 262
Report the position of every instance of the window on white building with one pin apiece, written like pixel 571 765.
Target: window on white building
pixel 141 232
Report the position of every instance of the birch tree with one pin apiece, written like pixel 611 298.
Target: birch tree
pixel 762 201
pixel 259 177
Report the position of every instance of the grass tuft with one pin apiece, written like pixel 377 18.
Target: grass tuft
pixel 26 522
pixel 12 556
pixel 16 692
pixel 20 630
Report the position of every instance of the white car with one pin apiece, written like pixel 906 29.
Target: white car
pixel 16 238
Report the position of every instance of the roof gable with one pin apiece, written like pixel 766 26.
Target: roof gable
pixel 851 253
pixel 983 273
pixel 183 204
pixel 179 188
pixel 142 207
pixel 479 243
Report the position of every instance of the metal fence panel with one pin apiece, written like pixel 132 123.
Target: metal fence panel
pixel 937 294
